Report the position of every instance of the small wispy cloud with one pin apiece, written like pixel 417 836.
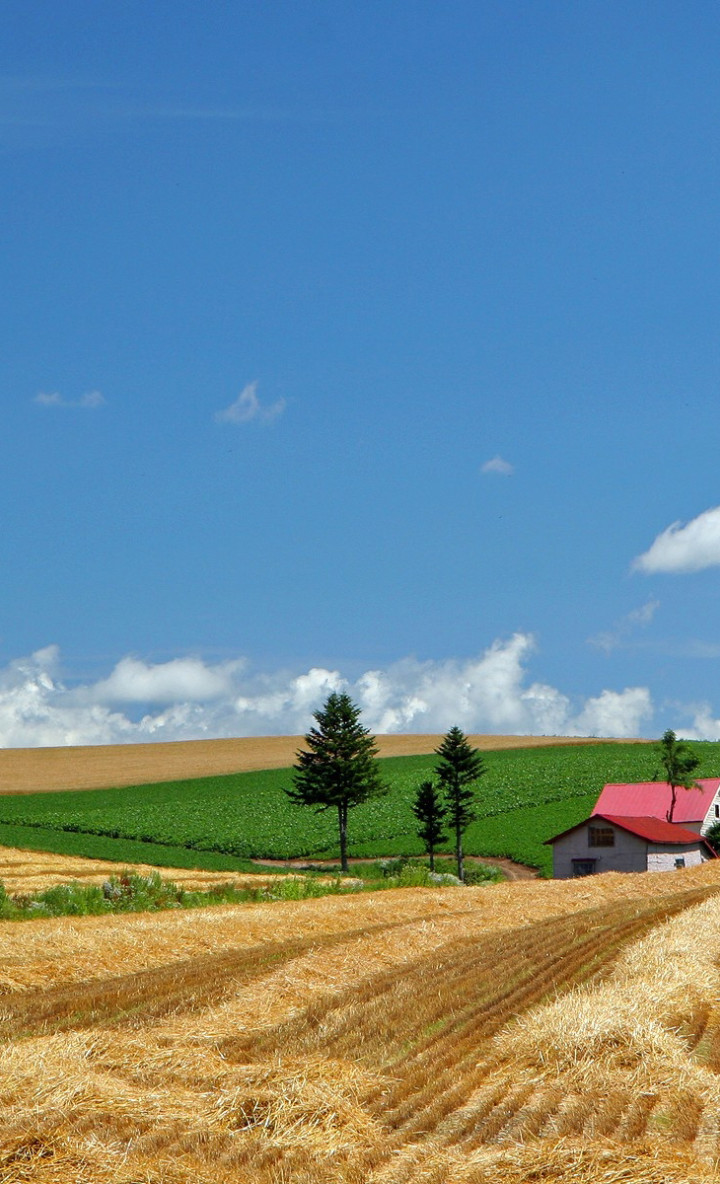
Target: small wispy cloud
pixel 695 648
pixel 248 408
pixel 89 400
pixel 611 639
pixel 692 546
pixel 498 465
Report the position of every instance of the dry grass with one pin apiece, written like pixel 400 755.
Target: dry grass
pixel 510 1033
pixel 33 871
pixel 28 770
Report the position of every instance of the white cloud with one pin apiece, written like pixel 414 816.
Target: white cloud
pixel 90 400
pixel 498 465
pixel 247 407
pixel 683 548
pixel 189 679
pixel 187 698
pixel 615 713
pixel 639 617
pixel 36 710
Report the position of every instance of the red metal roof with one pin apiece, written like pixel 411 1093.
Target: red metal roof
pixel 651 799
pixel 655 830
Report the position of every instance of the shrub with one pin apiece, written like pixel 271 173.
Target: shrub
pixel 712 836
pixel 482 873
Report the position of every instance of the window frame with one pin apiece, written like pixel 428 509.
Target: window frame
pixel 589 864
pixel 601 836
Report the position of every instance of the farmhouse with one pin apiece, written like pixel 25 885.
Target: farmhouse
pixel 629 831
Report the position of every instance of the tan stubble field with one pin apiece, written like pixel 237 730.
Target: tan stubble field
pixel 32 770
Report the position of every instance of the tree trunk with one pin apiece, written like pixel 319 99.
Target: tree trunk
pixel 342 824
pixel 431 853
pixel 673 799
pixel 459 855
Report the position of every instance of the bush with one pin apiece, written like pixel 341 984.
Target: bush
pixel 712 836
pixel 482 873
pixel 71 900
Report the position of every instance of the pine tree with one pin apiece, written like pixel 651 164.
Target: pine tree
pixel 338 770
pixel 430 810
pixel 459 767
pixel 679 763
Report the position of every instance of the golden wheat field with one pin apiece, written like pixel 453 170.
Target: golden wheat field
pixel 533 1031
pixel 27 770
pixel 33 871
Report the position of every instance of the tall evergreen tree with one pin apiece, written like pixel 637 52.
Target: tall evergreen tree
pixel 459 767
pixel 338 770
pixel 679 762
pixel 430 811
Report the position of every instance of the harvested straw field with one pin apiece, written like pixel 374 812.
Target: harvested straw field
pixel 33 871
pixel 565 1032
pixel 27 770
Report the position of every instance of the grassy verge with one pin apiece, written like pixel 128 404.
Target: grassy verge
pixel 129 892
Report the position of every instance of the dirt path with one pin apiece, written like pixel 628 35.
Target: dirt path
pixel 510 869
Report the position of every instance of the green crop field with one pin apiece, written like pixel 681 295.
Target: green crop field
pixel 222 822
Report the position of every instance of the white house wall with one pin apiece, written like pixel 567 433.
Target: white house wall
pixel 628 855
pixel 713 814
pixel 664 861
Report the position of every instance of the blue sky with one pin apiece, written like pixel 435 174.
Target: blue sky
pixel 365 345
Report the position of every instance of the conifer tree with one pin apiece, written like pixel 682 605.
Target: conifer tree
pixel 430 811
pixel 459 767
pixel 338 770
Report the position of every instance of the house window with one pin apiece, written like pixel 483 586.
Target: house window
pixel 601 836
pixel 680 861
pixel 717 811
pixel 584 867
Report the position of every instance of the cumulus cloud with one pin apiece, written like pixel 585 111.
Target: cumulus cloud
pixel 189 679
pixel 498 465
pixel 247 407
pixel 36 710
pixel 89 400
pixel 684 547
pixel 638 618
pixel 187 698
pixel 705 725
pixel 615 713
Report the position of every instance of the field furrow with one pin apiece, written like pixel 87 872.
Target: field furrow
pixel 185 986
pixel 456 1036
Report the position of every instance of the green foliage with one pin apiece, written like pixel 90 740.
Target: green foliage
pixel 678 760
pixel 338 767
pixel 31 836
pixel 430 811
pixel 219 823
pixel 520 834
pixel 129 892
pixel 459 767
pixel 680 764
pixel 712 835
pixel 481 873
